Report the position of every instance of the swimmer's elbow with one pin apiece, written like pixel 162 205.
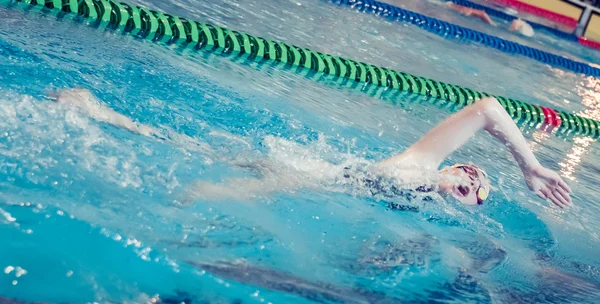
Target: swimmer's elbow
pixel 489 104
pixel 492 110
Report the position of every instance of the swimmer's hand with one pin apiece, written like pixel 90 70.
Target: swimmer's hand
pixel 547 184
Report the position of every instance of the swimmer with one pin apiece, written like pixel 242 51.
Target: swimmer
pixel 522 28
pixel 416 168
pixel 469 184
pixel 467 11
pixel 517 25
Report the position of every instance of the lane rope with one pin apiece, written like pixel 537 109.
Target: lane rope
pixel 589 43
pixel 163 28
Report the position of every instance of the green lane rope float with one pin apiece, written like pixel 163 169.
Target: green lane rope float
pixel 157 26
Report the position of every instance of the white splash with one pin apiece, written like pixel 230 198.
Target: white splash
pixel 8 269
pixel 7 216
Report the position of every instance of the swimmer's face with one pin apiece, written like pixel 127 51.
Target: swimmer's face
pixel 467 183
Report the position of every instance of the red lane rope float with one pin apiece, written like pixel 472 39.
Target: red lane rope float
pixel 589 43
pixel 551 117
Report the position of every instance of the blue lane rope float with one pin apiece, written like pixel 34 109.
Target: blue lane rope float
pixel 198 36
pixel 450 31
pixel 504 16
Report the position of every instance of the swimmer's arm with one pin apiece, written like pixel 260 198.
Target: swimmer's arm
pixel 486 114
pixel 484 16
pixel 471 12
pixel 86 102
pixel 542 181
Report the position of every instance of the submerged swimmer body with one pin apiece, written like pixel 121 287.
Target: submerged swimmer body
pixel 416 168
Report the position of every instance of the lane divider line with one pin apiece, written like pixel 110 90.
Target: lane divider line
pixel 198 36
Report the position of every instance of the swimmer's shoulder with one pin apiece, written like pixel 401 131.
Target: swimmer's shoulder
pixel 405 172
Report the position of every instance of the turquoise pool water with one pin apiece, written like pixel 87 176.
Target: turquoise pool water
pixel 89 212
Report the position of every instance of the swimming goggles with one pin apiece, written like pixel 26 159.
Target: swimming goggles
pixel 471 170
